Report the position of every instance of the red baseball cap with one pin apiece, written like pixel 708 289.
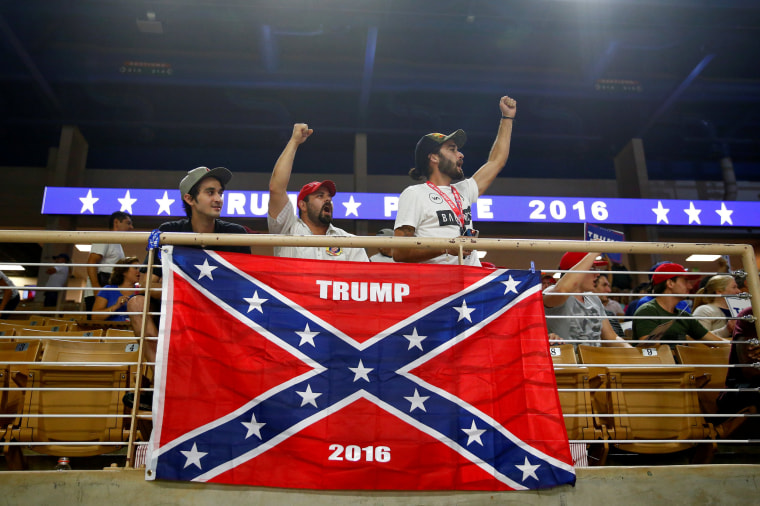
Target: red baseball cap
pixel 671 270
pixel 571 259
pixel 310 188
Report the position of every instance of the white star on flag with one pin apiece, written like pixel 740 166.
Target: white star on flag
pixel 417 401
pixel 88 202
pixel 360 372
pixel 464 311
pixel 352 207
pixel 693 213
pixel 661 212
pixel 253 427
pixel 194 456
pixel 255 302
pixel 206 270
pixel 165 204
pixel 308 397
pixel 528 470
pixel 126 203
pixel 473 434
pixel 415 340
pixel 307 336
pixel 511 285
pixel 725 214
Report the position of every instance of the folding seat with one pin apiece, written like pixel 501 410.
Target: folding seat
pixel 105 384
pixel 639 386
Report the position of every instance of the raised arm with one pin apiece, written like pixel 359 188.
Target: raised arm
pixel 278 183
pixel 416 255
pixel 569 282
pixel 500 149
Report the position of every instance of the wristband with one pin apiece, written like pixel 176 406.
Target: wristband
pixel 507 117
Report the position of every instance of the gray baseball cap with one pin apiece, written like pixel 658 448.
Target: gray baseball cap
pixel 198 173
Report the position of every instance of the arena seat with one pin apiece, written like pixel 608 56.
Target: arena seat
pixel 640 391
pixel 108 384
pixel 573 384
pixel 14 375
pixel 711 377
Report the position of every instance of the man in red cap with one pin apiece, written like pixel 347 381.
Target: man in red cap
pixel 671 282
pixel 583 316
pixel 442 205
pixel 314 204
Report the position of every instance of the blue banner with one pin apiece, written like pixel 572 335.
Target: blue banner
pixel 596 233
pixel 383 206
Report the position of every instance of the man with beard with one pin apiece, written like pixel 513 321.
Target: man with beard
pixel 315 208
pixel 442 205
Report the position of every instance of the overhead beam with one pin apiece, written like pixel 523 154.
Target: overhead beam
pixel 369 67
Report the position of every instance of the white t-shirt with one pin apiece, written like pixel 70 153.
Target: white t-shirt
pixel 11 286
pixel 111 254
pixel 287 223
pixel 379 257
pixel 59 277
pixel 421 207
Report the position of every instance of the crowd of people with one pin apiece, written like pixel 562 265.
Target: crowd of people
pixel 577 305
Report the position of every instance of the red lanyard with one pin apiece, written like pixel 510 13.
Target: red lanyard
pixel 456 208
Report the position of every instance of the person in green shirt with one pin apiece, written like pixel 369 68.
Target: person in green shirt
pixel 672 281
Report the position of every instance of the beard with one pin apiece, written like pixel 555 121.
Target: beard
pixel 451 169
pixel 323 215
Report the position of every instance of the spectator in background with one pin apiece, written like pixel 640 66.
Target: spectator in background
pixel 547 280
pixel 745 350
pixel 633 302
pixel 11 297
pixel 585 317
pixel 124 277
pixel 710 310
pixel 683 305
pixel 98 275
pixel 58 276
pixel 383 254
pixel 672 282
pixel 602 288
pixel 315 208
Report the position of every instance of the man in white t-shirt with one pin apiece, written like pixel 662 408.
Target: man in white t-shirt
pixel 314 204
pixel 442 205
pixel 97 275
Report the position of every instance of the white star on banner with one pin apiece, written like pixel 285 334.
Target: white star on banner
pixel 415 340
pixel 693 213
pixel 352 207
pixel 255 302
pixel 725 214
pixel 360 372
pixel 464 311
pixel 165 204
pixel 253 427
pixel 194 456
pixel 307 336
pixel 661 212
pixel 473 434
pixel 417 401
pixel 511 285
pixel 206 270
pixel 126 203
pixel 308 397
pixel 528 470
pixel 88 202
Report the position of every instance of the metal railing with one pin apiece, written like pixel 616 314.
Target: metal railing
pixel 746 253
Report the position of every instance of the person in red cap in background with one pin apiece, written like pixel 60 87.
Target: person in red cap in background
pixel 672 281
pixel 441 206
pixel 315 208
pixel 585 316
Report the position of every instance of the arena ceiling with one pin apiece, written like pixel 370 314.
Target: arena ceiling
pixel 172 84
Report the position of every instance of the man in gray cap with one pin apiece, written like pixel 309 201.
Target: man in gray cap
pixel 202 192
pixel 442 205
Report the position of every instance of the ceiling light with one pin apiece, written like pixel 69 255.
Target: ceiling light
pixel 83 247
pixel 150 25
pixel 703 258
pixel 11 267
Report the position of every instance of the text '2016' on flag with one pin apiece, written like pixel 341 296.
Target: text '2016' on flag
pixel 339 375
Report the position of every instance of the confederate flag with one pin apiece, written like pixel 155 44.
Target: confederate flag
pixel 340 375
